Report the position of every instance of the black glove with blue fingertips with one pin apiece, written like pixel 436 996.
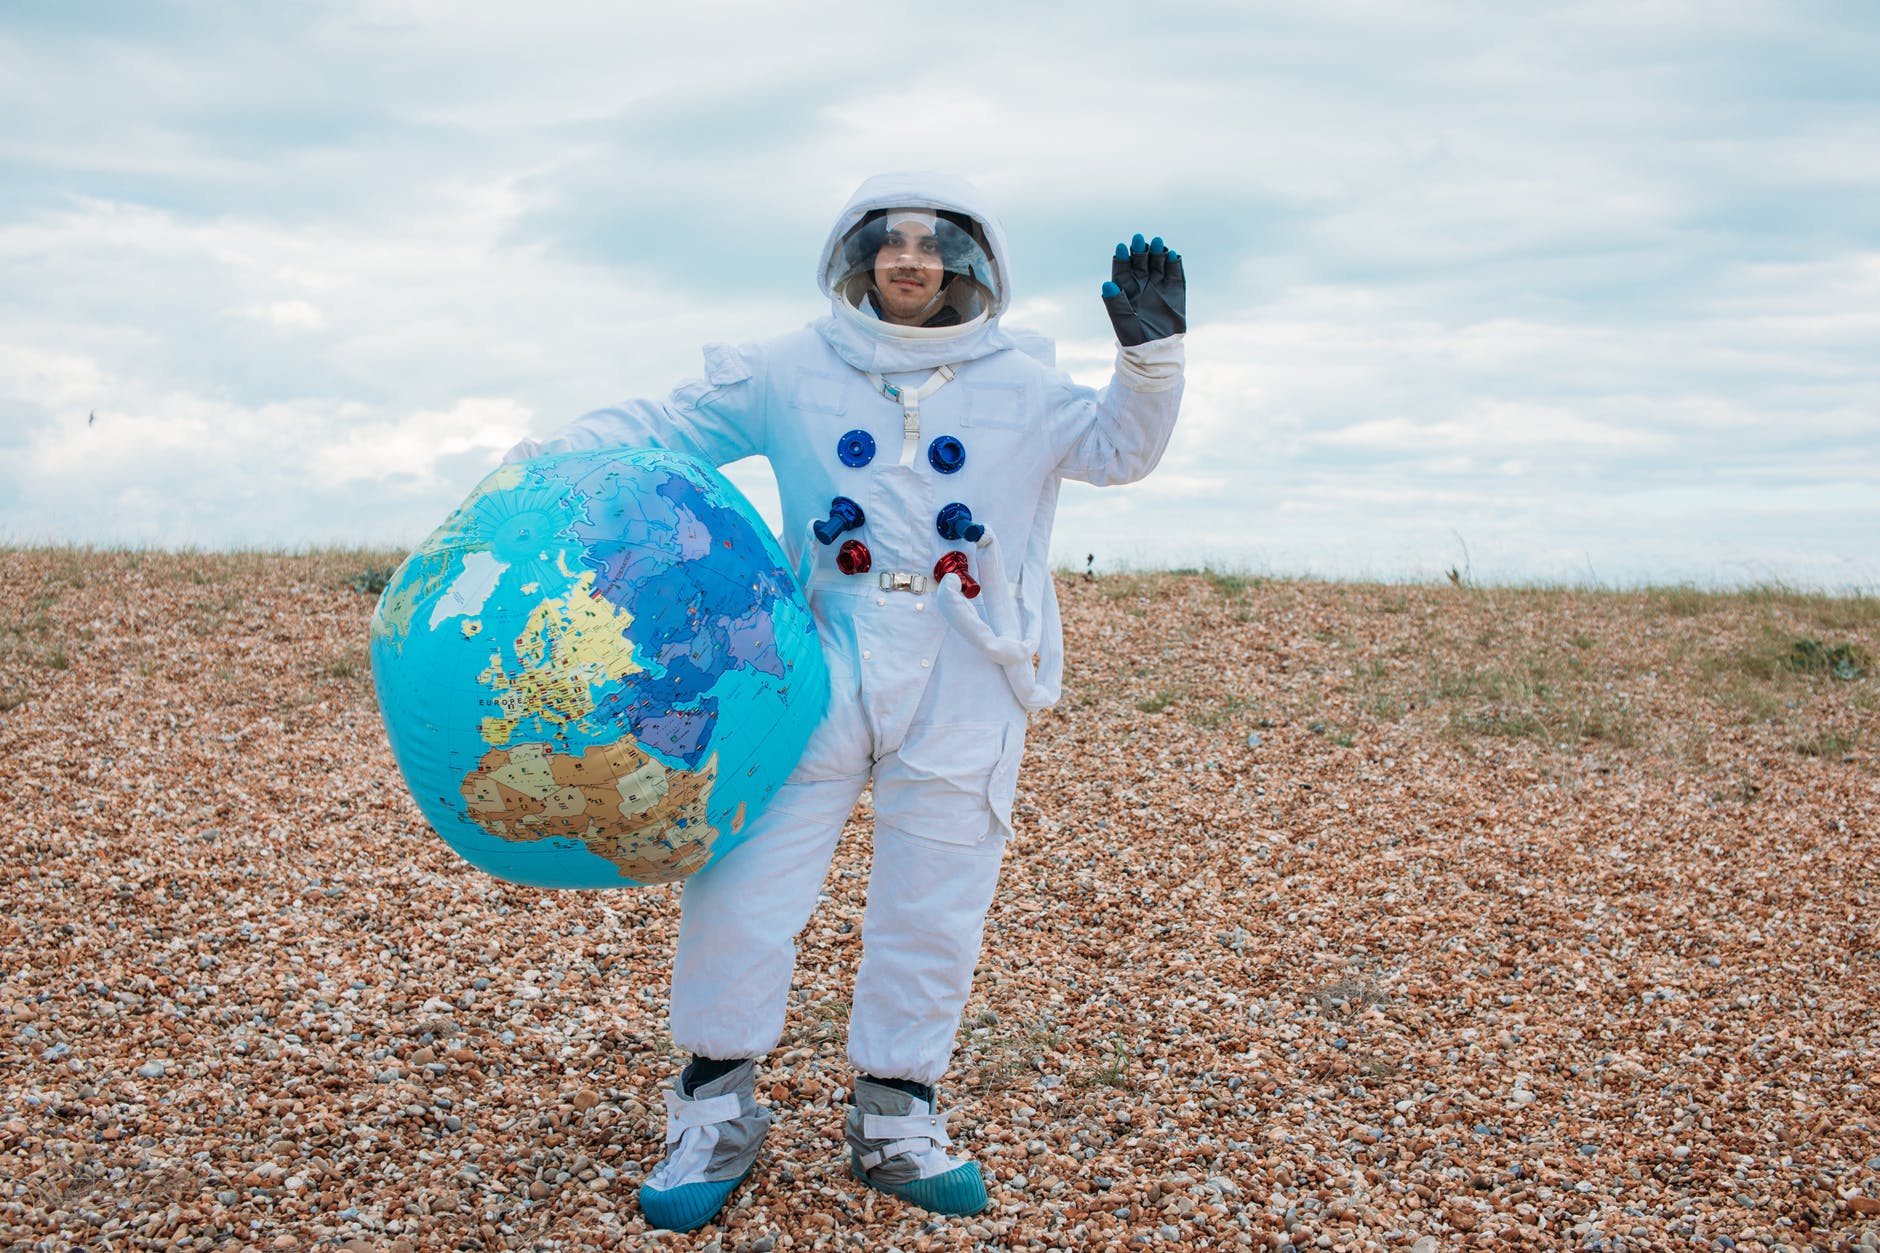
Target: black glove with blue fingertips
pixel 1147 295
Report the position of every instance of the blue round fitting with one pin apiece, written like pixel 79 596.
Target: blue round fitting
pixel 946 454
pixel 844 515
pixel 955 523
pixel 855 449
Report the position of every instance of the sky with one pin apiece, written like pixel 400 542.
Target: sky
pixel 1583 292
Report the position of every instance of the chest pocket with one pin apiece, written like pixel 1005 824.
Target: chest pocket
pixel 1000 406
pixel 821 393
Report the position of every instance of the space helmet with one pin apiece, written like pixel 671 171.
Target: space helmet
pixel 914 266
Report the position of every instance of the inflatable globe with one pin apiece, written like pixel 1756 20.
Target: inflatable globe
pixel 597 671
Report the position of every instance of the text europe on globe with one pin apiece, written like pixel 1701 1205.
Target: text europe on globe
pixel 598 670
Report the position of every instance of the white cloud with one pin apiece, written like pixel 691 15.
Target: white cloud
pixel 286 315
pixel 1550 279
pixel 410 447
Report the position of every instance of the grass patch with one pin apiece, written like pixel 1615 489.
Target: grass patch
pixel 351 663
pixel 372 580
pixel 35 635
pixel 1831 613
pixel 1504 724
pixel 1220 715
pixel 1681 601
pixel 1159 702
pixel 1231 584
pixel 1114 1070
pixel 1760 681
pixel 1839 661
pixel 1565 723
pixel 1383 706
pixel 1148 587
pixel 1828 744
pixel 209 616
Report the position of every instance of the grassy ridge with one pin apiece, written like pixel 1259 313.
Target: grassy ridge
pixel 1562 669
pixel 1663 670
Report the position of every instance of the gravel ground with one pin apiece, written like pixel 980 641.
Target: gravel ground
pixel 1339 916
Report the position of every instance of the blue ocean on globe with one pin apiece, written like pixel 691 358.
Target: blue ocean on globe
pixel 598 670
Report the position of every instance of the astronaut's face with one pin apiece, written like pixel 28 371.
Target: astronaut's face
pixel 908 272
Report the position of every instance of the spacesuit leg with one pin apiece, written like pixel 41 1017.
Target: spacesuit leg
pixel 943 812
pixel 739 919
pixel 943 808
pixel 927 903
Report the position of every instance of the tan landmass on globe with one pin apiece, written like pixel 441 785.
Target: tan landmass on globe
pixel 569 646
pixel 625 806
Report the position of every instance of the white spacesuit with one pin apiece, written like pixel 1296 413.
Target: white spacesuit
pixel 918 447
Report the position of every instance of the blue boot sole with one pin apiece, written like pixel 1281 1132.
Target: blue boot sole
pixel 688 1206
pixel 959 1191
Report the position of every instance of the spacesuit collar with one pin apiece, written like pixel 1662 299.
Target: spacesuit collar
pixel 858 340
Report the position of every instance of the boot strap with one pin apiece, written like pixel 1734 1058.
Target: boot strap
pixel 917 1132
pixel 683 1113
pixel 891 1126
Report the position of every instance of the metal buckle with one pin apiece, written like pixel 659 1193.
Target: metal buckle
pixel 903 581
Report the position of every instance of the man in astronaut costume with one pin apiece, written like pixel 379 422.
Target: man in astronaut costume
pixel 918 447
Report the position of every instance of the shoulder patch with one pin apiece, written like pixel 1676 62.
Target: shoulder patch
pixel 1034 344
pixel 725 365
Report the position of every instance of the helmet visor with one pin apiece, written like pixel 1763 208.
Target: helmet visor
pixel 914 267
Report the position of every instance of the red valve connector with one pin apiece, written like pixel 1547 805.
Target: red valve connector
pixel 955 563
pixel 853 558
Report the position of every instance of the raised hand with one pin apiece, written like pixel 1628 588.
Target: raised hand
pixel 1147 295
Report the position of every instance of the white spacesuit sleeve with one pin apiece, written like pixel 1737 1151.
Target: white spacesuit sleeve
pixel 718 418
pixel 1117 435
